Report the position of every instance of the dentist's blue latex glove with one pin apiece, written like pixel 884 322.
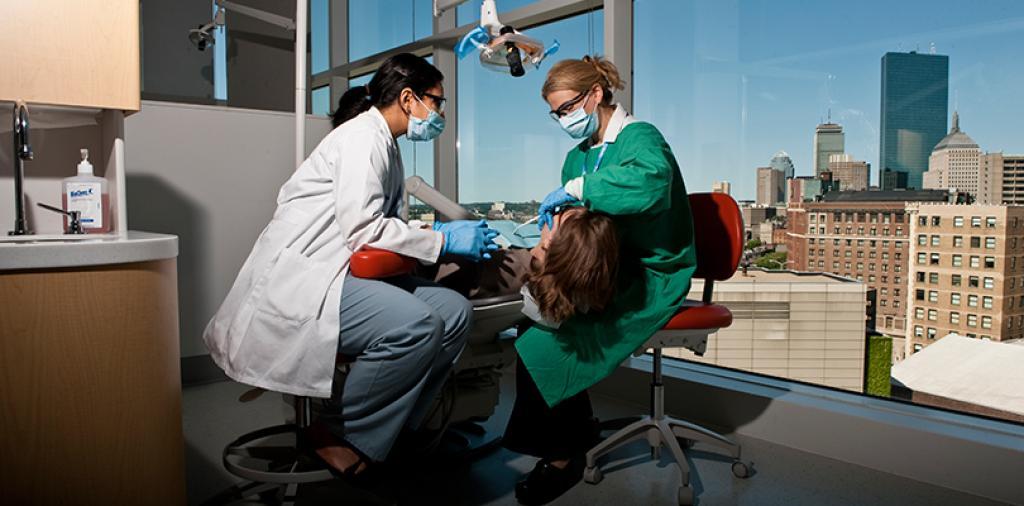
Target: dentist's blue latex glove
pixel 474 242
pixel 558 197
pixel 457 224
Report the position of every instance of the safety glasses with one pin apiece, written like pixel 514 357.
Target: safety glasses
pixel 564 108
pixel 439 101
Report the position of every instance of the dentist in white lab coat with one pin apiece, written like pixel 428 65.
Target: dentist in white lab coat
pixel 293 307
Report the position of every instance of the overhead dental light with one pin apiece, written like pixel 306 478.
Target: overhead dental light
pixel 502 48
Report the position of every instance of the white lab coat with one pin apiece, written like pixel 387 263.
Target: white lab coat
pixel 278 327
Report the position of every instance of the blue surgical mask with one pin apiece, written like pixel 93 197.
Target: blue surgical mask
pixel 578 124
pixel 425 129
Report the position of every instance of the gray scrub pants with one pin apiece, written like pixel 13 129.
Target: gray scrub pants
pixel 404 334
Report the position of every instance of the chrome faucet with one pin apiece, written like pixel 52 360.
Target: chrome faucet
pixel 22 152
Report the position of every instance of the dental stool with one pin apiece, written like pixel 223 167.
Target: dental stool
pixel 276 460
pixel 718 232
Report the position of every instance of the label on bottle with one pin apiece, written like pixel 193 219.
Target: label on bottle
pixel 88 199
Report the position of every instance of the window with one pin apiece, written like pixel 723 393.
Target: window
pixel 955 279
pixel 931 333
pixel 376 25
pixel 920 276
pixel 922 240
pixel 958 221
pixel 986 322
pixel 922 258
pixel 933 278
pixel 975 262
pixel 972 301
pixel 933 296
pixel 972 282
pixel 919 313
pixel 975 221
pixel 990 243
pixel 988 283
pixel 919 294
pixel 934 259
pixel 958 260
pixel 936 240
pixel 814 218
pixel 986 302
pixel 975 242
pixel 972 320
pixel 990 222
pixel 922 221
pixel 958 241
pixel 954 318
pixel 540 146
pixel 918 331
pixel 954 299
pixel 990 262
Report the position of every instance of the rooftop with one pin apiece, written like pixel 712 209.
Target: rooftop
pixel 784 276
pixel 985 373
pixel 887 196
pixel 956 139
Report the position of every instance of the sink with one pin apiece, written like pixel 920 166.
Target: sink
pixel 53 238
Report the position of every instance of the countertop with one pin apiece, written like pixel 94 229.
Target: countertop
pixel 57 251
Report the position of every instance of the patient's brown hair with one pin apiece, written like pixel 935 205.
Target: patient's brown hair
pixel 579 267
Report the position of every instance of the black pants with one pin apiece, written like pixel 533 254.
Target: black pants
pixel 567 430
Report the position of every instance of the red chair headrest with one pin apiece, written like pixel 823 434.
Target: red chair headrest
pixel 379 264
pixel 718 233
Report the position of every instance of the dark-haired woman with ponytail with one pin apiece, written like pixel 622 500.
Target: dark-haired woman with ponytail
pixel 294 308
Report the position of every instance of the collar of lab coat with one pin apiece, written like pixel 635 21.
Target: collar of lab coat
pixel 620 118
pixel 381 123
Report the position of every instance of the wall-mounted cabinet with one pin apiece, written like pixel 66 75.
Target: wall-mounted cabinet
pixel 83 53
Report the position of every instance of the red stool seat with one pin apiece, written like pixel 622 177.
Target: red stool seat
pixel 378 264
pixel 696 315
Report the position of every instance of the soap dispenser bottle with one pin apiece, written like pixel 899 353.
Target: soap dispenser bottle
pixel 87 194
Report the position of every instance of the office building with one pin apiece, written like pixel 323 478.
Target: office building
pixel 1012 184
pixel 957 162
pixel 966 273
pixel 722 187
pixel 770 186
pixel 802 326
pixel 892 179
pixel 915 96
pixel 863 236
pixel 783 163
pixel 828 141
pixel 849 174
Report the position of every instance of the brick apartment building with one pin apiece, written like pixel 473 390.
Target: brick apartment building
pixel 863 236
pixel 966 273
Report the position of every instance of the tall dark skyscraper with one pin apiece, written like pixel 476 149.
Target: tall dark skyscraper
pixel 915 101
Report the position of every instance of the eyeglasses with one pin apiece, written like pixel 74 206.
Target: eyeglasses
pixel 563 109
pixel 440 101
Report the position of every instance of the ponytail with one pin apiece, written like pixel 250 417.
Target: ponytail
pixel 580 75
pixel 397 73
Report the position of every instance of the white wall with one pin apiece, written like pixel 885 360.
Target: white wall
pixel 209 175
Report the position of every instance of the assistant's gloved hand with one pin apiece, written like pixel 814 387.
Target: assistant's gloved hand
pixel 456 224
pixel 474 242
pixel 558 197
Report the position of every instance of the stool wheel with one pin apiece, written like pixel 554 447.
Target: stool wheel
pixel 685 497
pixel 593 475
pixel 741 469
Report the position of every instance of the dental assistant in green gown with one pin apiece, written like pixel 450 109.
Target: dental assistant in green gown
pixel 625 169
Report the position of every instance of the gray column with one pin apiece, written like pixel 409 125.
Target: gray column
pixel 446 154
pixel 339 47
pixel 618 44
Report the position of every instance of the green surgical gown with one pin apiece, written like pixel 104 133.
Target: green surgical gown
pixel 639 185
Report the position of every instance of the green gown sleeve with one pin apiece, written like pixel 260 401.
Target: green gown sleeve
pixel 640 181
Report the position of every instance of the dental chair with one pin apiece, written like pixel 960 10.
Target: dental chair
pixel 718 233
pixel 276 460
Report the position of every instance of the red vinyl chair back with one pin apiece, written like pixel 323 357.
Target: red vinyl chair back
pixel 718 234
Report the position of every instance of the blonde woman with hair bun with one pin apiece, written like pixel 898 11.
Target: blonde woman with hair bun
pixel 624 169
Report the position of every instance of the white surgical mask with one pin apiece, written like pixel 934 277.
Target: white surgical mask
pixel 578 124
pixel 532 311
pixel 425 129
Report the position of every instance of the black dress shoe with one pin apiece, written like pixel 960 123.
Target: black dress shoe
pixel 547 482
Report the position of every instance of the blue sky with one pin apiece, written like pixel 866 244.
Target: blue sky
pixel 729 83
